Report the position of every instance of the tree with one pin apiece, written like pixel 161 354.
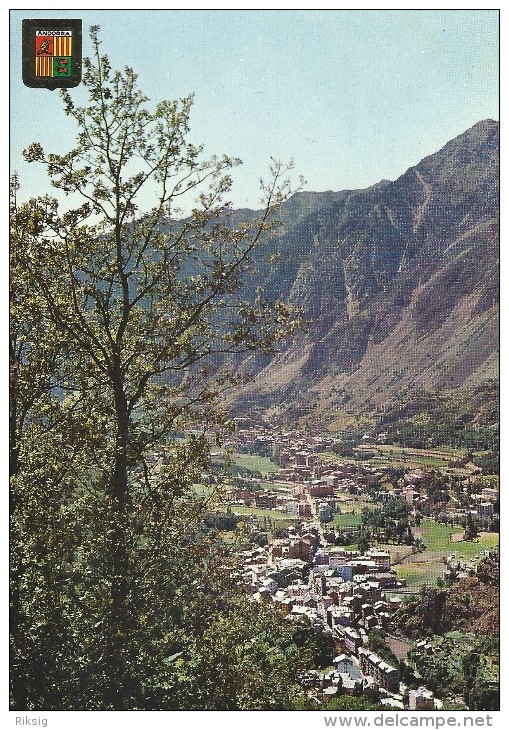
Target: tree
pixel 244 660
pixel 38 423
pixel 377 644
pixel 363 543
pixel 346 703
pixel 471 531
pixel 145 305
pixel 318 642
pixel 470 664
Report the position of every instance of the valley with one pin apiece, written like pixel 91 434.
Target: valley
pixel 343 543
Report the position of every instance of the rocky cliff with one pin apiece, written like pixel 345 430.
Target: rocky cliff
pixel 399 284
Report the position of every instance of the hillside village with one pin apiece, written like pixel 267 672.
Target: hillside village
pixel 340 590
pixel 304 466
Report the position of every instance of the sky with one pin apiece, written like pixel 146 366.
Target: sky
pixel 352 96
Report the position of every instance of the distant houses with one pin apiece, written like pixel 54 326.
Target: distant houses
pixel 344 592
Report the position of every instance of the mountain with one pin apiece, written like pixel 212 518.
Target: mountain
pixel 398 282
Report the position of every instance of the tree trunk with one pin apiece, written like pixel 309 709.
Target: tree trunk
pixel 119 565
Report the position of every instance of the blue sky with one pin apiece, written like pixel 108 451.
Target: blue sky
pixel 353 96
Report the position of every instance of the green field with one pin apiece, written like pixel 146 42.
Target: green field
pixel 425 567
pixel 261 513
pixel 419 574
pixel 410 462
pixel 346 520
pixel 350 421
pixel 253 462
pixel 354 505
pixel 390 455
pixel 437 538
pixel 400 456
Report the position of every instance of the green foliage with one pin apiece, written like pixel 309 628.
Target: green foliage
pixel 318 644
pixel 222 521
pixel 390 522
pixel 244 660
pixel 488 463
pixel 346 703
pixel 424 615
pixel 471 530
pixel 120 598
pixel 307 704
pixel 376 642
pixel 488 570
pixel 346 446
pixel 259 538
pixel 461 664
pixel 463 419
pixel 469 604
pixel 363 542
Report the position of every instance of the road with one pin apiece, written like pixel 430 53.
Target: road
pixel 315 519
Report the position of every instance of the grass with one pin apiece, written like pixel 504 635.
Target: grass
pixel 354 505
pixel 346 421
pixel 447 452
pixel 437 539
pixel 452 450
pixel 409 462
pixel 424 568
pixel 390 455
pixel 253 462
pixel 346 520
pixel 418 574
pixel 396 456
pixel 270 513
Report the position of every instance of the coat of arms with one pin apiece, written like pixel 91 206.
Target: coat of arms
pixel 51 53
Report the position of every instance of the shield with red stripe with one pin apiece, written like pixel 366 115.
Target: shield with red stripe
pixel 51 53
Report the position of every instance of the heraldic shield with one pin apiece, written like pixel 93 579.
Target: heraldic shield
pixel 52 53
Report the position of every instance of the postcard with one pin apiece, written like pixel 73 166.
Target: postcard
pixel 254 366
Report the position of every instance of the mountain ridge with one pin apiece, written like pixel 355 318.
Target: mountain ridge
pixel 399 282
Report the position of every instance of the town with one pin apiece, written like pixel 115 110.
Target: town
pixel 305 569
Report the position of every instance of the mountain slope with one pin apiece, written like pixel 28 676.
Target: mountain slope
pixel 399 283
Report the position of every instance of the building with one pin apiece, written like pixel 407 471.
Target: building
pixel 266 500
pixel 352 639
pixel 363 565
pixel 384 675
pixel 343 571
pixel 321 490
pixel 270 585
pixel 291 505
pixel 485 510
pixel 304 509
pixel 338 615
pixel 381 559
pixel 324 512
pixel 322 557
pixel 370 591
